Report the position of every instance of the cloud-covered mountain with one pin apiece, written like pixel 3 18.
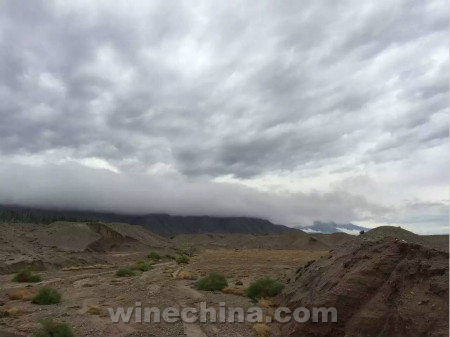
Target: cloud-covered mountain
pixel 332 227
pixel 161 224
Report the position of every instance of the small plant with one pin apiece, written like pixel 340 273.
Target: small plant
pixel 47 296
pixel 264 287
pixel 154 256
pixel 213 282
pixel 142 266
pixel 53 329
pixel 26 275
pixel 182 259
pixel 124 272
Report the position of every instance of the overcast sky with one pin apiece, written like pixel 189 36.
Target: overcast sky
pixel 293 111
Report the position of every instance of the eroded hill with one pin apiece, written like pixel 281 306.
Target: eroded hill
pixel 69 243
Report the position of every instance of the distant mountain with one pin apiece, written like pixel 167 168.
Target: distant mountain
pixel 161 224
pixel 332 227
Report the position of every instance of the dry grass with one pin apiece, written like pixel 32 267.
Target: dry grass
pixel 21 294
pixel 10 311
pixel 269 313
pixel 186 275
pixel 95 266
pixel 266 303
pixel 234 291
pixel 93 310
pixel 262 330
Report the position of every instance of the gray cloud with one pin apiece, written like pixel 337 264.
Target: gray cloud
pixel 226 89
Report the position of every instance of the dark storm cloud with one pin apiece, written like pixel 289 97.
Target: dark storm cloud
pixel 225 88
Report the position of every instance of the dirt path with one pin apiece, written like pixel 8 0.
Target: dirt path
pixel 190 296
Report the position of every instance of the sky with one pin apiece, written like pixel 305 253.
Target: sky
pixel 289 111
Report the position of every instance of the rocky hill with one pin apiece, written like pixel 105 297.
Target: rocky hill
pixel 379 287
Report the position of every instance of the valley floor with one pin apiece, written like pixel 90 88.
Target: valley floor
pixel 84 289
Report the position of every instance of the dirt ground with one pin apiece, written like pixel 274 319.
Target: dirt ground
pixel 99 287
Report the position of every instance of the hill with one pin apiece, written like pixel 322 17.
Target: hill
pixel 440 242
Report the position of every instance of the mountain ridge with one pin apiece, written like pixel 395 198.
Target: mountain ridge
pixel 159 223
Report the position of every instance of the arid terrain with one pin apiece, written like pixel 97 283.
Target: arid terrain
pixel 382 282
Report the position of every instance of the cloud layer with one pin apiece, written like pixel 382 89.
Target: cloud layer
pixel 290 111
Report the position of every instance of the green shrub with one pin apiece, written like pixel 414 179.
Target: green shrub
pixel 264 287
pixel 122 272
pixel 213 282
pixel 53 329
pixel 170 257
pixel 182 259
pixel 46 296
pixel 26 275
pixel 142 266
pixel 154 256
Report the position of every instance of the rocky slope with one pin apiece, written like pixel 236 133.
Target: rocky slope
pixel 382 287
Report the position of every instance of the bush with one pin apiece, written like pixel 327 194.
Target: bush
pixel 182 259
pixel 154 256
pixel 213 282
pixel 53 329
pixel 264 287
pixel 122 272
pixel 170 257
pixel 142 266
pixel 47 296
pixel 26 275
